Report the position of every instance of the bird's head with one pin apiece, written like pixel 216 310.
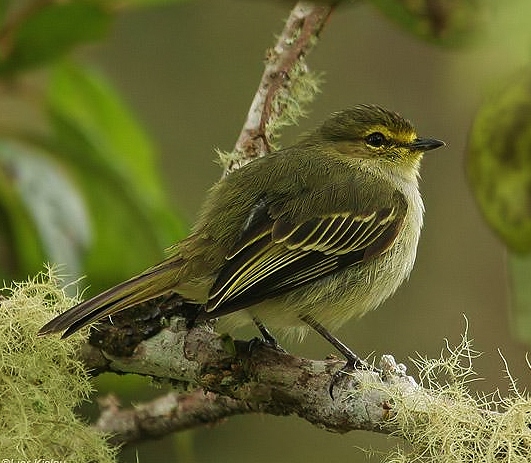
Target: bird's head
pixel 372 132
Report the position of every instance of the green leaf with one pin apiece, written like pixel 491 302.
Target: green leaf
pixel 448 23
pixel 149 3
pixel 52 30
pixel 499 160
pixel 20 249
pixel 520 271
pixel 113 161
pixel 4 6
pixel 45 218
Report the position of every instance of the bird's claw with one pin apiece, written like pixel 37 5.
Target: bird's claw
pixel 270 343
pixel 353 363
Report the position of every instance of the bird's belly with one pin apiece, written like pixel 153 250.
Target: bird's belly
pixel 335 299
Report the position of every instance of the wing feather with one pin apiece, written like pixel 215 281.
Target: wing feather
pixel 275 255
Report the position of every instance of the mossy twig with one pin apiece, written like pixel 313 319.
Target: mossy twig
pixel 285 88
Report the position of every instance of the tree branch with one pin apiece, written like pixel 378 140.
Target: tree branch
pixel 172 412
pixel 243 377
pixel 296 40
pixel 442 423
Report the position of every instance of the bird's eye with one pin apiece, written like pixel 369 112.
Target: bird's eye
pixel 375 139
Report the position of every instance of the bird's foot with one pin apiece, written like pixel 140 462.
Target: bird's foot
pixel 267 338
pixel 270 344
pixel 353 363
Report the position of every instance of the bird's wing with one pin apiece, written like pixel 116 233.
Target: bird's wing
pixel 275 255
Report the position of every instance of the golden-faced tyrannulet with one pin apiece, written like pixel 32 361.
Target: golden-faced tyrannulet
pixel 316 233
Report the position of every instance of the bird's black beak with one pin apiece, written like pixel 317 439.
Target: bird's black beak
pixel 426 144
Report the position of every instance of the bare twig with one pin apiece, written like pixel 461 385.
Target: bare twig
pixel 170 413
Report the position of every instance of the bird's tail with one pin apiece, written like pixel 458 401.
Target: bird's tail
pixel 148 285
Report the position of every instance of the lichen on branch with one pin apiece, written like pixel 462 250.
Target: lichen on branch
pixel 42 380
pixel 286 86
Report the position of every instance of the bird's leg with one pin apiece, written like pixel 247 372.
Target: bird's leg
pixel 267 337
pixel 354 362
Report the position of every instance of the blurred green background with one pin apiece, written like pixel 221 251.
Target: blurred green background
pixel 189 72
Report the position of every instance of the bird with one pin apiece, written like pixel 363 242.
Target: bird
pixel 308 236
